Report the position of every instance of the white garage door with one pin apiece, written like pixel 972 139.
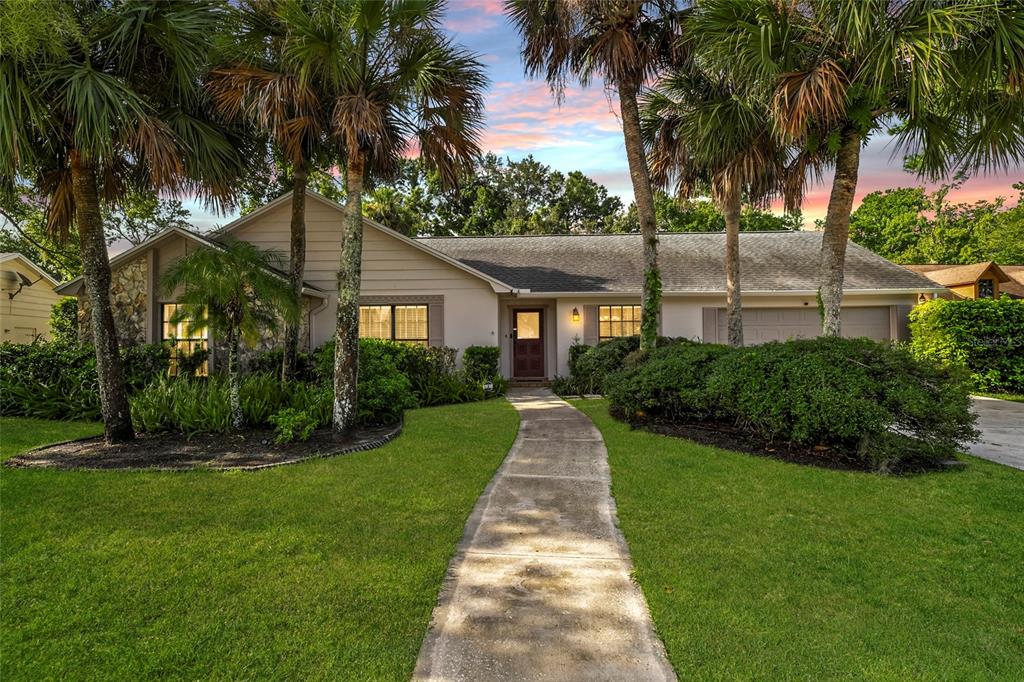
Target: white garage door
pixel 778 324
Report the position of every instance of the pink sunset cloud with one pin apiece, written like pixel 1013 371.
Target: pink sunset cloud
pixel 473 16
pixel 524 116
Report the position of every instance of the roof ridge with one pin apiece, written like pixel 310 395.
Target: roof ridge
pixel 606 234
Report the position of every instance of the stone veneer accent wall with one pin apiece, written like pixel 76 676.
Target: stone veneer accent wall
pixel 129 301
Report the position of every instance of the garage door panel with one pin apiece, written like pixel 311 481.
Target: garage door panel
pixel 761 325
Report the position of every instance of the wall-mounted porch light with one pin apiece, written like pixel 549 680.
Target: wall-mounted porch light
pixel 575 314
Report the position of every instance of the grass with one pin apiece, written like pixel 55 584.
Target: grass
pixel 18 434
pixel 323 570
pixel 1015 397
pixel 758 569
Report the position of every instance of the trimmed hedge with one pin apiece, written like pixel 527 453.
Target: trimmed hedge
pixel 864 401
pixel 58 380
pixel 986 336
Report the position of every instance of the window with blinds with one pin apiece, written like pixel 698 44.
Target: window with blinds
pixel 176 336
pixel 405 323
pixel 617 320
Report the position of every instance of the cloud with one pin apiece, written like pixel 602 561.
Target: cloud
pixel 524 116
pixel 473 16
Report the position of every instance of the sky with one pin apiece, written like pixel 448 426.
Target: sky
pixel 584 133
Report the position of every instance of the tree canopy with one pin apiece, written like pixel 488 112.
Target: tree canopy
pixel 911 225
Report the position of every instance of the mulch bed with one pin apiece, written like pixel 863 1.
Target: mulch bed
pixel 250 449
pixel 726 436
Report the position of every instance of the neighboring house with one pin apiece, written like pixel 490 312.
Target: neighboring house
pixel 26 298
pixel 976 280
pixel 533 296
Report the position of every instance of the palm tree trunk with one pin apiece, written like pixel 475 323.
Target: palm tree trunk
pixel 296 269
pixel 346 336
pixel 733 307
pixel 235 380
pixel 117 418
pixel 837 231
pixel 650 301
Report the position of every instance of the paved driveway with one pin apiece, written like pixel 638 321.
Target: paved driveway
pixel 1001 423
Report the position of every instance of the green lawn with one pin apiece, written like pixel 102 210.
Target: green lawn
pixel 1015 397
pixel 758 569
pixel 18 434
pixel 322 570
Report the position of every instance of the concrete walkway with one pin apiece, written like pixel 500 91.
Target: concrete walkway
pixel 540 587
pixel 1001 423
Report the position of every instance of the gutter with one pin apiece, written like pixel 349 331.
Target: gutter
pixel 753 292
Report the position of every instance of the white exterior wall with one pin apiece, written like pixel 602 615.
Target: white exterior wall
pixel 682 316
pixel 391 267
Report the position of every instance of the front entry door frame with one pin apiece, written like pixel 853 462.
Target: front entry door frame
pixel 542 342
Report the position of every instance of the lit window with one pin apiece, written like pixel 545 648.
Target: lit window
pixel 617 320
pixel 405 323
pixel 178 339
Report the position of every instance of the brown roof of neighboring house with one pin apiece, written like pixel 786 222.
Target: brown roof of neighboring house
pixel 1014 287
pixel 691 262
pixel 952 275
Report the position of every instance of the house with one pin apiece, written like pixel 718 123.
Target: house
pixel 26 298
pixel 534 296
pixel 976 280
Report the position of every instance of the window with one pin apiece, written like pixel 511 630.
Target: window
pixel 406 323
pixel 176 336
pixel 986 288
pixel 617 320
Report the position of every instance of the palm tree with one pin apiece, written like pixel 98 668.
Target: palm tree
pixel 98 99
pixel 625 42
pixel 392 81
pixel 236 292
pixel 706 132
pixel 948 77
pixel 258 85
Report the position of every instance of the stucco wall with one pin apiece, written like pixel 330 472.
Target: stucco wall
pixel 26 316
pixel 682 316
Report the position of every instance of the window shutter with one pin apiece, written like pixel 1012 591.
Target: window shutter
pixel 710 334
pixel 590 333
pixel 435 324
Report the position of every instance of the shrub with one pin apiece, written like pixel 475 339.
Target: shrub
pixel 64 321
pixel 58 380
pixel 384 392
pixel 270 361
pixel 670 384
pixel 589 366
pixel 431 373
pixel 292 425
pixel 481 362
pixel 858 399
pixel 141 364
pixel 986 336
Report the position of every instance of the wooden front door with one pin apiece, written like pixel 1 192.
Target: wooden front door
pixel 528 343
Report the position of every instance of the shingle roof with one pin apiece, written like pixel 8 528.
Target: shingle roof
pixel 951 275
pixel 1015 285
pixel 690 262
